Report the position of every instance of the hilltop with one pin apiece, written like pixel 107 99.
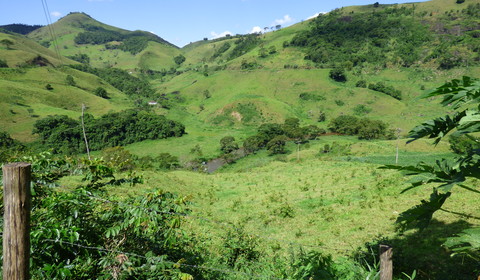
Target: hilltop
pixel 107 46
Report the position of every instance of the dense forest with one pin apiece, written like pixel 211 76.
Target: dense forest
pixel 392 36
pixel 133 42
pixel 20 28
pixel 64 135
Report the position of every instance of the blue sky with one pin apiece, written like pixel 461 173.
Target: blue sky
pixel 178 21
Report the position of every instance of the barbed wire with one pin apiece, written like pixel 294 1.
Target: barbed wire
pixel 226 271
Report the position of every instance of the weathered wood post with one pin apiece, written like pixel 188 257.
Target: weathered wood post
pixel 386 263
pixel 16 228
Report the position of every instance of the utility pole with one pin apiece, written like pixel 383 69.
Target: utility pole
pixel 84 133
pixel 16 225
pixel 398 138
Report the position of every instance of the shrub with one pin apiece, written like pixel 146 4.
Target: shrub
pixel 167 161
pixel 463 144
pixel 101 92
pixel 363 128
pixel 361 110
pixel 388 90
pixel 179 59
pixel 361 84
pixel 338 74
pixel 277 145
pixel 228 144
pixel 3 64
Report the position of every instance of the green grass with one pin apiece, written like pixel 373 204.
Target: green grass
pixel 24 99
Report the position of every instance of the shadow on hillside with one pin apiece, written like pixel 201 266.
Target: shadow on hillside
pixel 423 252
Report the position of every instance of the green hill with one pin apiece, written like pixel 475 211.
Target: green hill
pixel 24 97
pixel 105 45
pixel 233 84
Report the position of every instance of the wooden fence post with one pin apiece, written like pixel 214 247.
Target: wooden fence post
pixel 386 263
pixel 16 228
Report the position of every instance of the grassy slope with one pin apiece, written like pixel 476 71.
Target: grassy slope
pixel 24 99
pixel 156 56
pixel 434 6
pixel 333 205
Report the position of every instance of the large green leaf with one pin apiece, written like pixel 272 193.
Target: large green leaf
pixel 467 242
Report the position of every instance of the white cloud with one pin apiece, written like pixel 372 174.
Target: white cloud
pixel 216 35
pixel 316 15
pixel 286 19
pixel 56 14
pixel 256 29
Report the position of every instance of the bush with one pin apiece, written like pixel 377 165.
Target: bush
pixel 463 144
pixel 101 92
pixel 70 81
pixel 388 90
pixel 361 110
pixel 338 74
pixel 3 64
pixel 64 135
pixel 363 128
pixel 167 161
pixel 361 84
pixel 228 144
pixel 277 145
pixel 179 59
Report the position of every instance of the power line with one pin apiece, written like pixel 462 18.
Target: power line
pixel 50 27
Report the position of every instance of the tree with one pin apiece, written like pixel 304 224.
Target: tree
pixel 228 144
pixel 70 81
pixel 338 74
pixel 253 144
pixel 277 145
pixel 167 161
pixel 101 92
pixel 179 59
pixel 7 43
pixel 3 64
pixel 446 174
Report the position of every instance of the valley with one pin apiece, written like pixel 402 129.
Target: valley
pixel 323 110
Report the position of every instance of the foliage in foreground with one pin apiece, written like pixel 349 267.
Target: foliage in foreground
pixel 85 233
pixel 445 175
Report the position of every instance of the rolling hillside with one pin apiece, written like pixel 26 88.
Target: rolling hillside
pixel 158 53
pixel 231 85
